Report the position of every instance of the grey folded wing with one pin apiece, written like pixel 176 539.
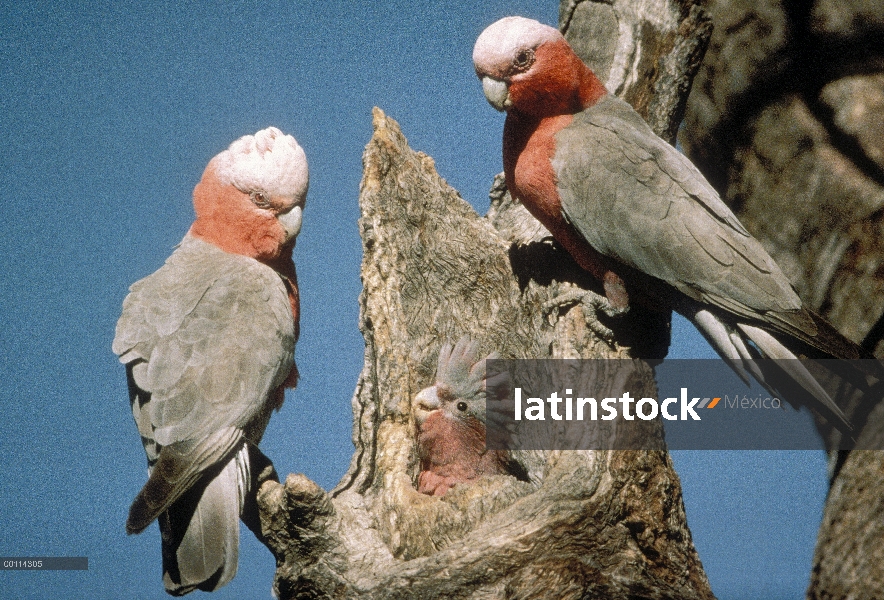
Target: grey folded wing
pixel 635 198
pixel 207 338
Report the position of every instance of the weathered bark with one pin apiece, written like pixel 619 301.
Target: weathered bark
pixel 787 120
pixel 588 523
pixel 659 47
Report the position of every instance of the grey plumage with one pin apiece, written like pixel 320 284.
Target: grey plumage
pixel 653 211
pixel 208 340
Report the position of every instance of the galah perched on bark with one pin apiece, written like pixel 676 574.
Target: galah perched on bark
pixel 635 213
pixel 208 342
pixel 451 417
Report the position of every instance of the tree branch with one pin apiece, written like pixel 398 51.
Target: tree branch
pixel 586 524
pixel 785 120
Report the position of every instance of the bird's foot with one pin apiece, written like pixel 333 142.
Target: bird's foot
pixel 592 304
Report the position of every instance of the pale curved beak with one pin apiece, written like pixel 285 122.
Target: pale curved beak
pixel 426 401
pixel 291 222
pixel 497 92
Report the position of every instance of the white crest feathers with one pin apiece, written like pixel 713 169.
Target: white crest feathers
pixel 269 161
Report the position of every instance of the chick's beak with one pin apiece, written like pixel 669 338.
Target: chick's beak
pixel 426 401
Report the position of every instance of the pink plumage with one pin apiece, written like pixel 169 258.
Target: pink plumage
pixel 451 417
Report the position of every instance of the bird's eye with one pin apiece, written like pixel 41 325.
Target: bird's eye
pixel 462 406
pixel 524 59
pixel 260 200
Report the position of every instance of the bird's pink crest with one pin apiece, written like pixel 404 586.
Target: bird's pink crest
pixel 269 161
pixel 250 198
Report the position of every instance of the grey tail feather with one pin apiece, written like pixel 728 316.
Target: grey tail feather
pixel 773 348
pixel 176 470
pixel 152 500
pixel 719 337
pixel 200 531
pixel 827 339
pixel 730 343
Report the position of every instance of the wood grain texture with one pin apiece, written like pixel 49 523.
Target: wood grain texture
pixel 588 524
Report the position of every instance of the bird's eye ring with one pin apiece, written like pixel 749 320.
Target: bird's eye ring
pixel 462 406
pixel 260 200
pixel 524 59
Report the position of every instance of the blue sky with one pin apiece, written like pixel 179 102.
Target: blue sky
pixel 109 114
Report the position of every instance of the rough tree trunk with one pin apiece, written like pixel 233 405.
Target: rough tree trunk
pixel 588 524
pixel 787 120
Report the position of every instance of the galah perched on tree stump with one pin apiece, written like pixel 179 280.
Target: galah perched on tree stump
pixel 208 342
pixel 637 215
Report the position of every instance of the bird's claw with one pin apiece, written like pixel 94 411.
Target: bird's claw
pixel 592 304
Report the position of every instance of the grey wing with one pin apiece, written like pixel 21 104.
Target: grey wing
pixel 637 199
pixel 207 339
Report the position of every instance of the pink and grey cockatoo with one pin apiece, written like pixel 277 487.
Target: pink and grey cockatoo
pixel 635 213
pixel 208 342
pixel 451 422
